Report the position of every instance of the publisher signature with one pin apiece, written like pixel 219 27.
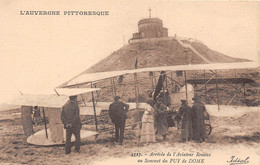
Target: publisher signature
pixel 236 160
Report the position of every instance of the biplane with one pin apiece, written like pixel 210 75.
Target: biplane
pixel 94 102
pixel 162 81
pixel 93 79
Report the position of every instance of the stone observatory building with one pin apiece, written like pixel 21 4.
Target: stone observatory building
pixel 150 28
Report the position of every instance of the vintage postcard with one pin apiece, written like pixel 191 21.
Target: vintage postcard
pixel 129 82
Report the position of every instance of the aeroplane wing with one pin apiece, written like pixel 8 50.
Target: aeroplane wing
pixel 214 66
pixel 51 99
pixel 221 81
pixel 74 91
pixel 95 77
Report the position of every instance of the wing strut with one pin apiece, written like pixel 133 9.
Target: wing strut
pixel 186 90
pixel 20 92
pixel 205 86
pixel 136 90
pixel 136 85
pixel 56 92
pixel 94 108
pixel 45 124
pixel 217 87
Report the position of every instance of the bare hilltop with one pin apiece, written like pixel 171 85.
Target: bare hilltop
pixel 166 51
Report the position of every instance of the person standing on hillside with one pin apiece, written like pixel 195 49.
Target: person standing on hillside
pixel 198 123
pixel 117 113
pixel 160 118
pixel 71 121
pixel 186 128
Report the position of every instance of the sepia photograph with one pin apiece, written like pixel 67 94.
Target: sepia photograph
pixel 107 82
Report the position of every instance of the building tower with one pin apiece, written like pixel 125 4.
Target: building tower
pixel 150 28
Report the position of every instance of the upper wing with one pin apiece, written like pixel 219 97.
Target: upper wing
pixel 215 66
pixel 94 77
pixel 75 91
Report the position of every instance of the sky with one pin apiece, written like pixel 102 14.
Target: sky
pixel 41 52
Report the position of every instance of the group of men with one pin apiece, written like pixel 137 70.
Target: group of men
pixel 70 118
pixel 193 124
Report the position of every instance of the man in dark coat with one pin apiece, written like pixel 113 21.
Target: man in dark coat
pixel 71 120
pixel 167 98
pixel 117 113
pixel 186 128
pixel 198 123
pixel 160 118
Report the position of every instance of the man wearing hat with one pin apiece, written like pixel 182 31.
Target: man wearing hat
pixel 117 113
pixel 198 123
pixel 160 118
pixel 71 121
pixel 186 128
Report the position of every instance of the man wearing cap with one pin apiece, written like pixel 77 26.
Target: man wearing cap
pixel 71 120
pixel 186 128
pixel 198 124
pixel 160 118
pixel 117 113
